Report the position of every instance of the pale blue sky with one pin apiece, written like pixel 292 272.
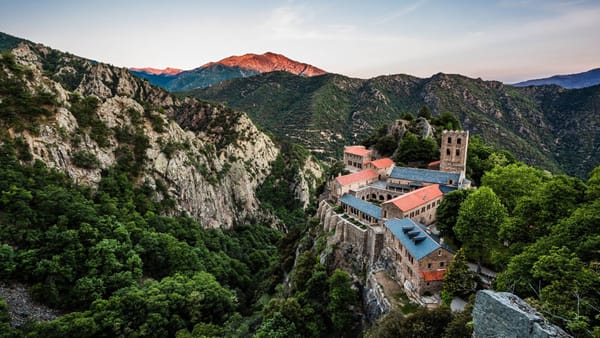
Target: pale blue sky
pixel 507 40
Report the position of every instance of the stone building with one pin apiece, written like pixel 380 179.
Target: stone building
pixel 382 166
pixel 356 157
pixel 419 205
pixel 363 211
pixel 421 258
pixel 343 184
pixel 387 208
pixel 453 151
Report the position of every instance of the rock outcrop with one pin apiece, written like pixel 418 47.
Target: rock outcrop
pixel 502 314
pixel 210 158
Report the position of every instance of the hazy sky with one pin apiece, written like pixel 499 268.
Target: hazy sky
pixel 507 40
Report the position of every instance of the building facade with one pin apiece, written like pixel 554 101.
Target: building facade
pixel 419 205
pixel 356 157
pixel 421 258
pixel 453 151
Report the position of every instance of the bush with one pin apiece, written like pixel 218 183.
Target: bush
pixel 85 159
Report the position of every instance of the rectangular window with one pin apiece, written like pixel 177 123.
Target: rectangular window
pixel 441 264
pixel 428 265
pixel 457 152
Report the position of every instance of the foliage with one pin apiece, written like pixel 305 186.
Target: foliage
pixel 459 281
pixel 20 107
pixel 424 112
pixel 122 269
pixel 84 110
pixel 482 158
pixel 512 182
pixel 417 149
pixel 447 213
pixel 479 220
pixel 85 159
pixel 422 323
pixel 341 298
pixel 446 121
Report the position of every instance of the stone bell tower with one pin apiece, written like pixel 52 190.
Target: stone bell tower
pixel 453 157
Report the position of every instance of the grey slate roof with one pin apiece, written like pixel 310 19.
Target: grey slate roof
pixel 413 237
pixel 425 175
pixel 366 207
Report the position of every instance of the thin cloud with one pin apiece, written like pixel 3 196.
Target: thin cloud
pixel 403 11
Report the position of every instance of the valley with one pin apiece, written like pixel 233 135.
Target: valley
pixel 281 200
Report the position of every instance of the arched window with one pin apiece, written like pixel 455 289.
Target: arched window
pixel 447 151
pixel 458 140
pixel 449 140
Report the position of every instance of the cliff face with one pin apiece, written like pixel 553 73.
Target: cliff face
pixel 211 159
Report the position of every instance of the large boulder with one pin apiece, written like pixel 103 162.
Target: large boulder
pixel 502 314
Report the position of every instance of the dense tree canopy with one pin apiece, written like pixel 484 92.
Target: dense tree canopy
pixel 479 220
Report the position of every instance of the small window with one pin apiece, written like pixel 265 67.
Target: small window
pixel 428 265
pixel 450 181
pixel 441 264
pixel 439 252
pixel 423 209
pixel 458 140
pixel 449 140
pixel 428 283
pixel 457 152
pixel 448 152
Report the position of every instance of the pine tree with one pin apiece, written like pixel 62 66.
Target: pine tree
pixel 458 280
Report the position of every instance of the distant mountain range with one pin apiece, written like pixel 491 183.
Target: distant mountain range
pixel 570 81
pixel 547 126
pixel 229 68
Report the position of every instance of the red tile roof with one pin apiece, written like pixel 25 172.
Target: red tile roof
pixel 357 150
pixel 385 162
pixel 417 197
pixel 432 276
pixel 434 163
pixel 356 177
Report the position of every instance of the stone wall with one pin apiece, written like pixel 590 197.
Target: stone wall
pixel 502 314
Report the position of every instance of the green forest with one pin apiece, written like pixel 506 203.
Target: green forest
pixel 540 231
pixel 116 267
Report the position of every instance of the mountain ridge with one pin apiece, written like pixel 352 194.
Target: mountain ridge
pixel 231 67
pixel 570 81
pixel 546 126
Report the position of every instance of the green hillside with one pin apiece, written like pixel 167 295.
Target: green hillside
pixel 546 126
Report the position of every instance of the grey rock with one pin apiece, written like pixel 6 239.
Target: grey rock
pixel 503 314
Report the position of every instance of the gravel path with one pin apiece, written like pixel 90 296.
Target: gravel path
pixel 22 309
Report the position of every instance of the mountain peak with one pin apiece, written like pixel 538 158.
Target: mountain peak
pixel 268 62
pixel 156 71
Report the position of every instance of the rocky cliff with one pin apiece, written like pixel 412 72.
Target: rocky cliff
pixel 208 158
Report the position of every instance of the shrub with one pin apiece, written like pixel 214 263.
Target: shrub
pixel 85 159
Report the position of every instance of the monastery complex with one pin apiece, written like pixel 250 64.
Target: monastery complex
pixel 383 213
